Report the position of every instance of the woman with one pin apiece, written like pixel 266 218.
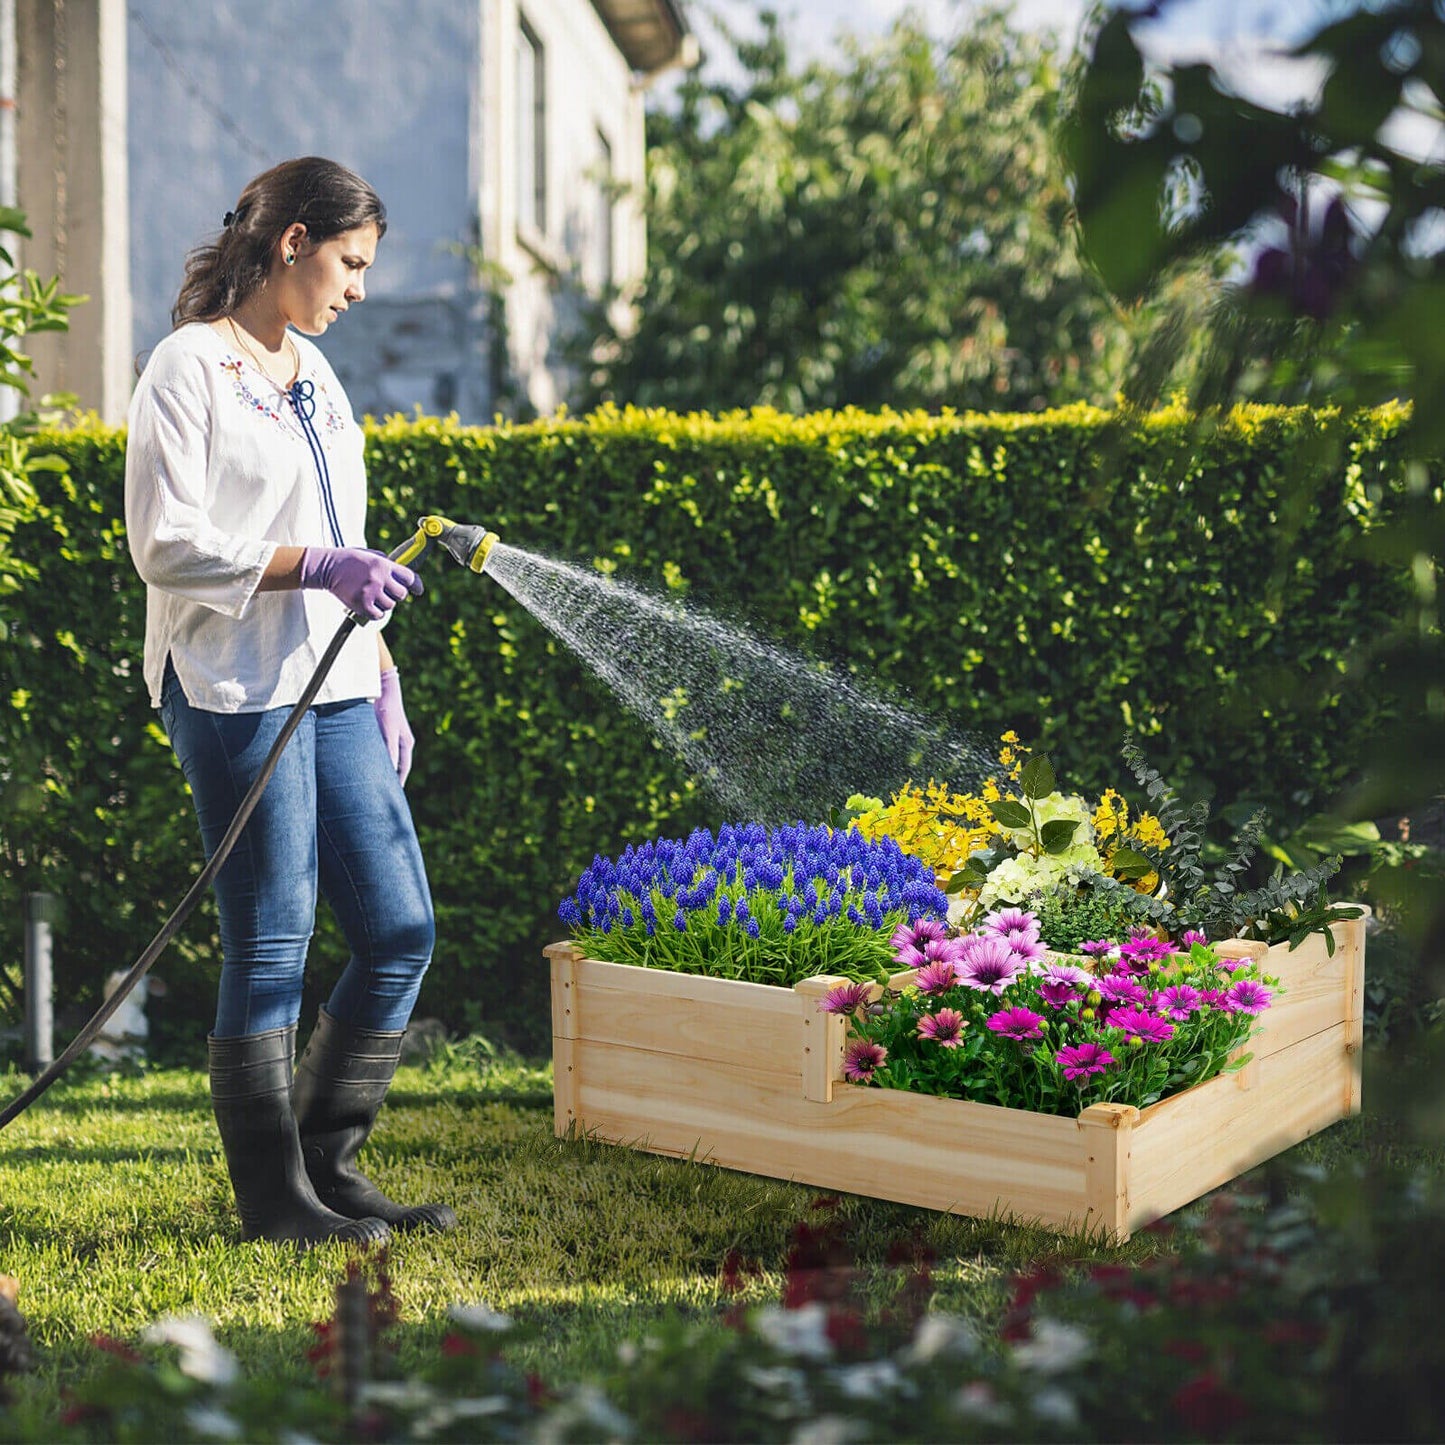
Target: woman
pixel 246 510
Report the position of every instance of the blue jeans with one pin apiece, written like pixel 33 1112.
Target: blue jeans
pixel 333 813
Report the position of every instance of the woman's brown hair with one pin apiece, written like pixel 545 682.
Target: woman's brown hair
pixel 323 196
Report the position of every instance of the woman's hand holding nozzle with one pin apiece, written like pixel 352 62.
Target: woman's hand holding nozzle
pixel 369 584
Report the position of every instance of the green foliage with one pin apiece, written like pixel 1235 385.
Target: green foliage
pixel 893 231
pixel 1067 921
pixel 1343 300
pixel 1003 571
pixel 1218 904
pixel 27 305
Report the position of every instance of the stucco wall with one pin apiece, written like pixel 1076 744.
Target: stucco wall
pixel 418 98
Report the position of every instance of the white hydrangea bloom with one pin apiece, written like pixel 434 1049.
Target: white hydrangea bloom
pixel 1068 807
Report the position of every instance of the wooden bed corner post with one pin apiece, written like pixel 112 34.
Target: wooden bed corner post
pixel 1108 1131
pixel 1353 942
pixel 565 958
pixel 824 1036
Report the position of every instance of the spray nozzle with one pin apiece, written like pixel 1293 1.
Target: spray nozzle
pixel 465 544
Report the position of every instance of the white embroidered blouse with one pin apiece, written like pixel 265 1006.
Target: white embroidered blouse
pixel 221 468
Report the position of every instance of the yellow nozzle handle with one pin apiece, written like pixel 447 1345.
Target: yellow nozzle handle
pixel 467 544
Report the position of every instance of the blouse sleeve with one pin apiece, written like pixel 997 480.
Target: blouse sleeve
pixel 173 543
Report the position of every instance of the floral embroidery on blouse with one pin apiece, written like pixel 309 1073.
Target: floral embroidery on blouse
pixel 332 419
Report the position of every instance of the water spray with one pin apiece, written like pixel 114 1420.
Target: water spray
pixel 467 545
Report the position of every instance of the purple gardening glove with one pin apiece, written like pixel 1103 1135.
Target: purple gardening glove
pixel 400 739
pixel 369 584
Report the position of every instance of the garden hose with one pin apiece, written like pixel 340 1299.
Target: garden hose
pixel 467 545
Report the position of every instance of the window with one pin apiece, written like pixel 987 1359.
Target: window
pixel 602 239
pixel 531 131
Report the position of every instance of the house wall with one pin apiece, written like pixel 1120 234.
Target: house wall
pixel 418 98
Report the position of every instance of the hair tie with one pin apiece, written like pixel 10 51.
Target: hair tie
pixel 229 217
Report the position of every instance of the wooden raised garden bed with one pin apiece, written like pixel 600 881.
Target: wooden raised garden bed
pixel 748 1077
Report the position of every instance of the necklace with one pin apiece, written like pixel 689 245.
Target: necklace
pixel 294 357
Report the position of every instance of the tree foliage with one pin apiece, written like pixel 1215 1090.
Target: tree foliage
pixel 1336 205
pixel 27 304
pixel 892 231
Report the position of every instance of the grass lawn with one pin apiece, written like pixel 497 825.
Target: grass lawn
pixel 115 1209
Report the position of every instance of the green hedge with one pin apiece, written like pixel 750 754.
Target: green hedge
pixel 1054 573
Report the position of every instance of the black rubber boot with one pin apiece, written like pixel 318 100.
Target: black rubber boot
pixel 340 1083
pixel 251 1094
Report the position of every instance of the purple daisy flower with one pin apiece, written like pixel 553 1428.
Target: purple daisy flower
pixel 1057 992
pixel 989 964
pixel 862 1059
pixel 1211 998
pixel 905 957
pixel 1177 1001
pixel 1064 973
pixel 915 935
pixel 944 1028
pixel 844 998
pixel 1141 950
pixel 944 950
pixel 1081 1060
pixel 936 977
pixel 1193 936
pixel 1122 988
pixel 1231 965
pixel 1096 947
pixel 1017 1023
pixel 1030 950
pixel 1247 996
pixel 1141 1026
pixel 1010 920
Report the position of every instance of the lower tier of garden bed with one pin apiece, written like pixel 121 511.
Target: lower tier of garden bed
pixel 748 1077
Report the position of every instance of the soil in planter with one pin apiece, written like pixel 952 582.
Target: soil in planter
pixel 777 736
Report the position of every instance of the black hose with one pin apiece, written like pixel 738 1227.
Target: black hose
pixel 172 925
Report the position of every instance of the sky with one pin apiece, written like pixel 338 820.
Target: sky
pixel 1245 39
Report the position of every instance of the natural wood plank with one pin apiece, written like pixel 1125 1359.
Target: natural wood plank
pixel 564 1086
pixel 684 1016
pixel 1194 1142
pixel 938 1153
pixel 824 1038
pixel 1107 1132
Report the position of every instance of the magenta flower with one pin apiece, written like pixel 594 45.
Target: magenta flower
pixel 1141 1026
pixel 1231 965
pixel 1064 973
pixel 936 977
pixel 1096 947
pixel 1246 996
pixel 989 964
pixel 915 935
pixel 943 950
pixel 1121 988
pixel 944 1028
pixel 1193 936
pixel 1057 992
pixel 907 956
pixel 1177 1001
pixel 1081 1060
pixel 862 1059
pixel 844 998
pixel 1030 950
pixel 1211 998
pixel 1009 920
pixel 1141 950
pixel 1016 1023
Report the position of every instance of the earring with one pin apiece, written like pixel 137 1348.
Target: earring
pixel 290 259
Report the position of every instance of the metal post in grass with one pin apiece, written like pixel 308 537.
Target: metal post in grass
pixel 39 983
